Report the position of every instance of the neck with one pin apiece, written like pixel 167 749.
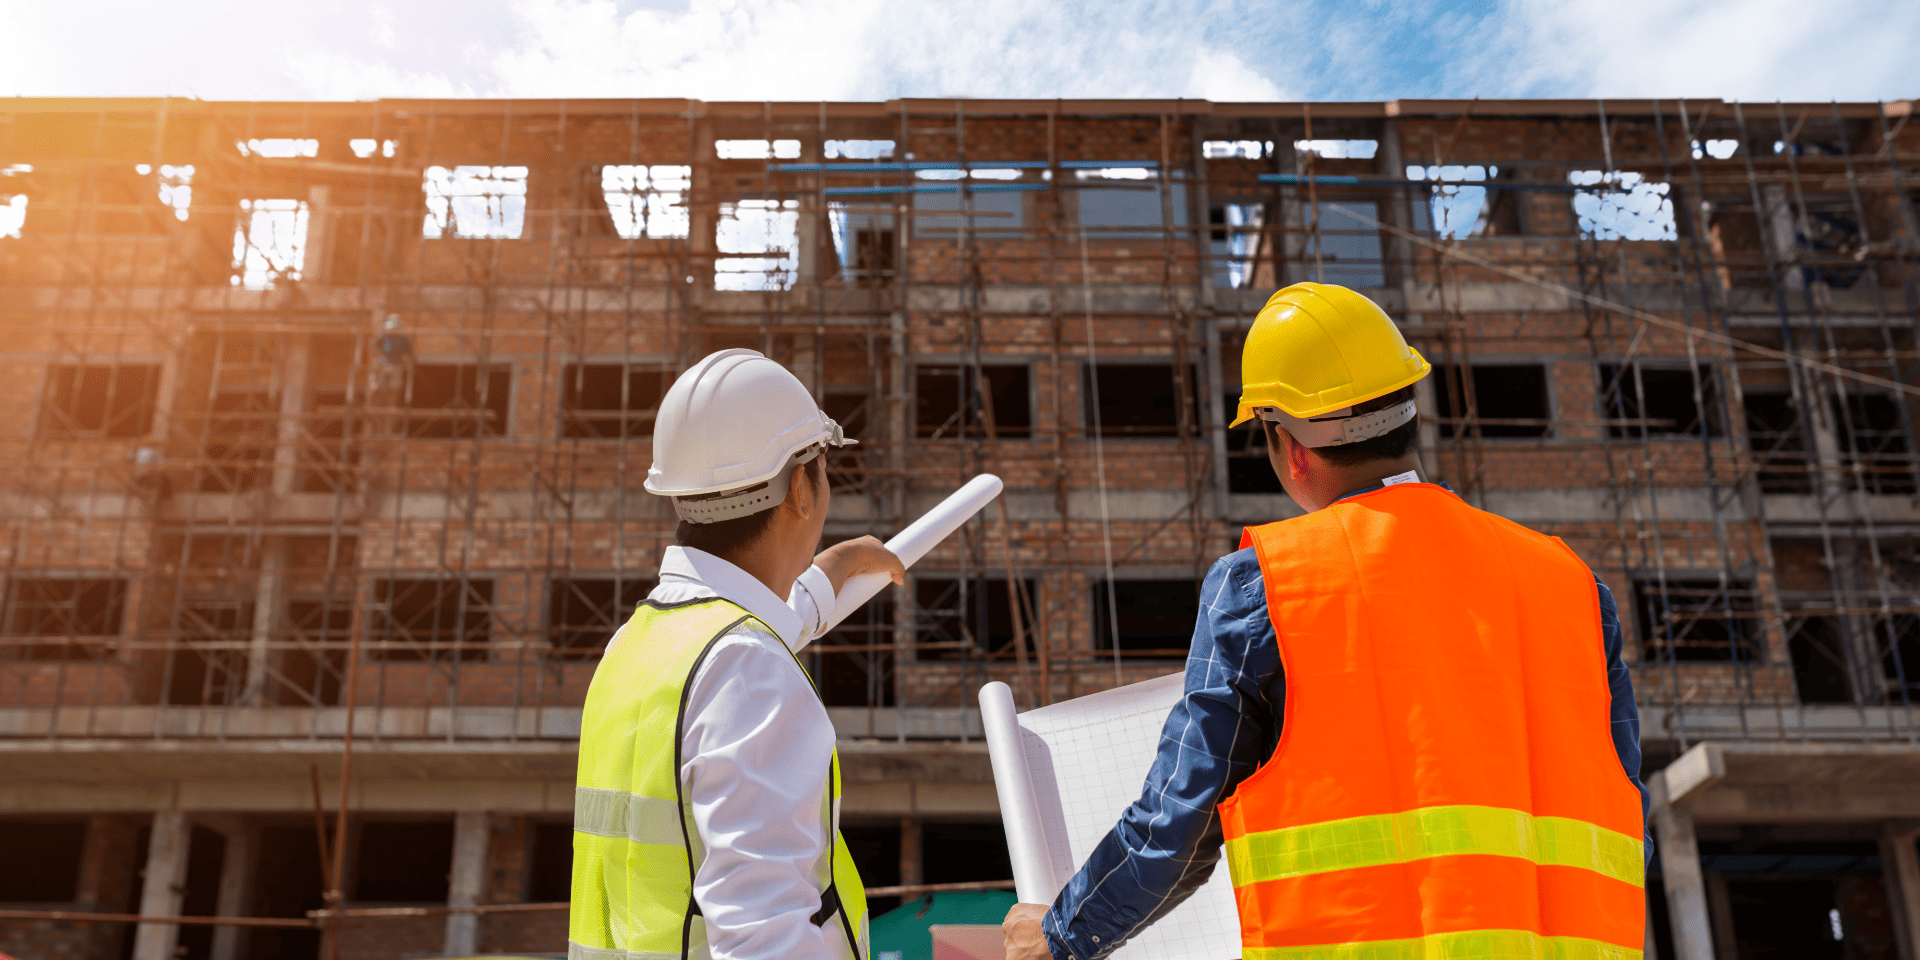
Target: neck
pixel 772 563
pixel 1337 482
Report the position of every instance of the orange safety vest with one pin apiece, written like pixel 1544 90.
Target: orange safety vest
pixel 1445 785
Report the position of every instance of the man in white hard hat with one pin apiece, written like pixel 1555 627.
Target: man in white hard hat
pixel 706 816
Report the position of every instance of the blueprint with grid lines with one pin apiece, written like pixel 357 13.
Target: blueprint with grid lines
pixel 1064 774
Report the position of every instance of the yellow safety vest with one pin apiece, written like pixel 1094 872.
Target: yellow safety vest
pixel 635 846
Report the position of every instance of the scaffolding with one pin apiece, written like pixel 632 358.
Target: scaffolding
pixel 341 410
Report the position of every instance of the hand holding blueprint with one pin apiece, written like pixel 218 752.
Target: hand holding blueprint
pixel 1064 774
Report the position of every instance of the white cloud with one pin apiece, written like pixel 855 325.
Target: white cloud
pixel 1734 49
pixel 879 49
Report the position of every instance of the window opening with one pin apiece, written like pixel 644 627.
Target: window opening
pixel 606 400
pixel 46 855
pixel 1697 620
pixel 1234 242
pixel 1664 396
pixel 209 659
pixel 861 677
pixel 1136 399
pixel 963 852
pixel 175 185
pixel 270 243
pixel 550 874
pixel 950 613
pixel 859 149
pixel 455 401
pixel 757 149
pixel 278 148
pixel 63 618
pixel 945 398
pixel 767 232
pixel 584 613
pixel 402 861
pixel 13 205
pixel 846 467
pixel 1817 649
pixel 1155 617
pixel 1236 149
pixel 431 619
pixel 99 401
pixel 1338 149
pixel 1510 399
pixel 1348 244
pixel 475 202
pixel 365 148
pixel 863 242
pixel 1899 639
pixel 1622 206
pixel 326 461
pixel 311 674
pixel 1248 469
pixel 648 202
pixel 1123 203
pixel 1717 149
pixel 237 454
pixel 1778 443
pixel 1455 204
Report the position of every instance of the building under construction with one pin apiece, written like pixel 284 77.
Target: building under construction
pixel 324 427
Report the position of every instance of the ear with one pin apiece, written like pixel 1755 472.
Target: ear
pixel 800 492
pixel 1298 460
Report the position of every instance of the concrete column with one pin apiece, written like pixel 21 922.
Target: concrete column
pixel 468 874
pixel 911 871
pixel 1902 872
pixel 236 889
pixel 164 885
pixel 1685 882
pixel 1720 908
pixel 266 614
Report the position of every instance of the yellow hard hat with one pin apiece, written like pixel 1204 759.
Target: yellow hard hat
pixel 1318 347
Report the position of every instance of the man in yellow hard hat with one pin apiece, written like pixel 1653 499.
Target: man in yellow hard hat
pixel 1407 720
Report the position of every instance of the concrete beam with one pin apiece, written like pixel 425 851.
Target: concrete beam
pixel 466 881
pixel 1694 771
pixel 1686 887
pixel 164 886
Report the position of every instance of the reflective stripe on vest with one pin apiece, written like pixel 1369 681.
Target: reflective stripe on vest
pixel 636 848
pixel 1434 832
pixel 1445 786
pixel 1475 944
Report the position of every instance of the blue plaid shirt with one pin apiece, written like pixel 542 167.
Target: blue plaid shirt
pixel 1225 726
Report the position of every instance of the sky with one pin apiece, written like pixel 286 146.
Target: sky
pixel 878 49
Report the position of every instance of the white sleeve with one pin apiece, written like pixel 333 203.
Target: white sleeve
pixel 760 745
pixel 812 598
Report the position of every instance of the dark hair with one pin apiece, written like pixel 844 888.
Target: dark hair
pixel 1391 445
pixel 727 538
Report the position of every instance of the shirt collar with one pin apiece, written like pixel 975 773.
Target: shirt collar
pixel 1376 485
pixel 733 584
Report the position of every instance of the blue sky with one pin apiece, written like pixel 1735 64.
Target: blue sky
pixel 876 49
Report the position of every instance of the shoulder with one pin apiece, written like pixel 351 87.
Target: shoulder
pixel 1234 583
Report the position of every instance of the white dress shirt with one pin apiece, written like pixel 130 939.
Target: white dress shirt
pixel 757 746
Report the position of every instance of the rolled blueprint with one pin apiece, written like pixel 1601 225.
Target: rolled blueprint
pixel 916 540
pixel 1033 879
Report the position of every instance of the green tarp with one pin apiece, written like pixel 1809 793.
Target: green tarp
pixel 901 933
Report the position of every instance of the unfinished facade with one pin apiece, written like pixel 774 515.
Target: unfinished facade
pixel 324 410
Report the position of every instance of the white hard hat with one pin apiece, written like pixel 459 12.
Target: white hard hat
pixel 728 434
